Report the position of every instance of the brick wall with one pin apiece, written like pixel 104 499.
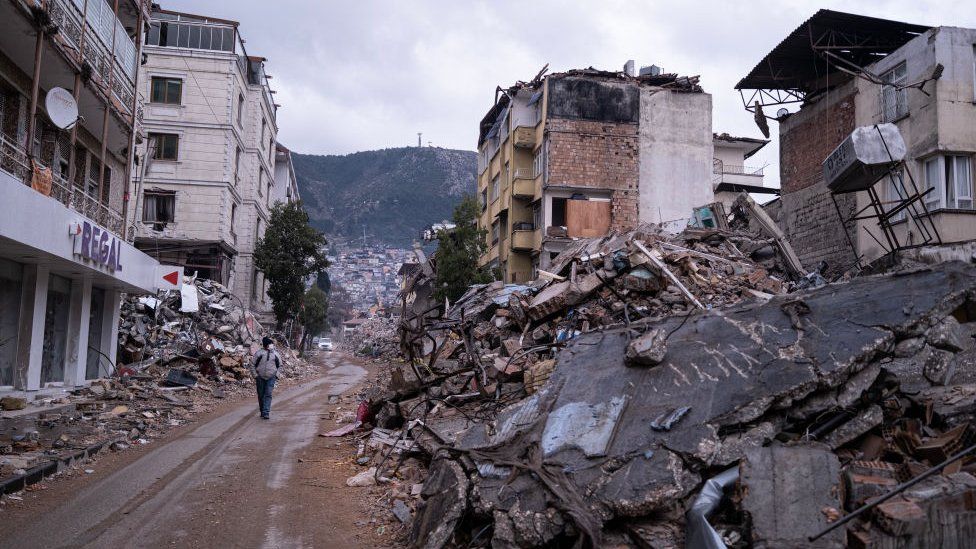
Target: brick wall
pixel 808 215
pixel 597 155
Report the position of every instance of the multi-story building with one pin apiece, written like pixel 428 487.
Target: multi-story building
pixel 576 154
pixel 846 71
pixel 68 75
pixel 204 191
pixel 731 174
pixel 285 188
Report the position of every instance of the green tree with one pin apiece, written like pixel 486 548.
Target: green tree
pixel 290 252
pixel 458 251
pixel 313 314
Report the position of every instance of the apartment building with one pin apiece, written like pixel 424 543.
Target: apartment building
pixel 575 154
pixel 207 181
pixel 732 172
pixel 845 71
pixel 285 188
pixel 68 117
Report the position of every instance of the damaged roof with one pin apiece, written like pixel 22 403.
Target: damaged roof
pixel 795 65
pixel 759 143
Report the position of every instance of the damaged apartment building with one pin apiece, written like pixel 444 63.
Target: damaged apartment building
pixel 204 192
pixel 575 154
pixel 68 120
pixel 847 71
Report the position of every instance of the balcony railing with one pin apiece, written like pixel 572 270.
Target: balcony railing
pixel 737 170
pixel 14 161
pixel 94 32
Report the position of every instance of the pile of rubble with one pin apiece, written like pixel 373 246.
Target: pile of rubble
pixel 179 352
pixel 654 390
pixel 375 337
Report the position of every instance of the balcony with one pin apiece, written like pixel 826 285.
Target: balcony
pixel 736 175
pixel 526 240
pixel 92 35
pixel 13 160
pixel 524 137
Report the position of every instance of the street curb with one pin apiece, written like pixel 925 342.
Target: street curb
pixel 38 473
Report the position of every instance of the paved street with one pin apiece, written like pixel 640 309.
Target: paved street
pixel 229 482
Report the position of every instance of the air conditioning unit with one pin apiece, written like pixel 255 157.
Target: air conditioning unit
pixel 867 154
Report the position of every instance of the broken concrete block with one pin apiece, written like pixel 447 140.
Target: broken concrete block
pixel 937 365
pixel 784 490
pixel 946 335
pixel 649 349
pixel 364 478
pixel 864 480
pixel 909 347
pixel 13 403
pixel 857 426
pixel 401 511
pixel 445 495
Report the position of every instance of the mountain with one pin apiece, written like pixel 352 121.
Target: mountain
pixel 394 193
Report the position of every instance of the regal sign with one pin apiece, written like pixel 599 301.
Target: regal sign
pixel 97 245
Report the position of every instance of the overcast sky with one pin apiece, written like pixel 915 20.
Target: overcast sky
pixel 368 74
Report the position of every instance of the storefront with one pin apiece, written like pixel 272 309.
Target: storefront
pixel 61 281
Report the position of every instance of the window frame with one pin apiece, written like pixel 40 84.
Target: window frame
pixel 157 194
pixel 166 80
pixel 896 76
pixel 945 168
pixel 158 152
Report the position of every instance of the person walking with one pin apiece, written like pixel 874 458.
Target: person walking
pixel 264 368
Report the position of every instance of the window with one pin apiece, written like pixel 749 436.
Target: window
pixel 495 229
pixel 187 35
pixel 951 180
pixel 233 218
pixel 538 163
pixel 166 90
pixel 495 188
pixel 158 207
pixel 106 185
pixel 268 194
pixel 558 212
pixel 167 145
pixel 237 166
pixel 484 199
pixel 258 233
pixel 264 128
pixel 894 101
pixel 260 182
pixel 240 109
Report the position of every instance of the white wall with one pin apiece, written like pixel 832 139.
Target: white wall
pixel 675 154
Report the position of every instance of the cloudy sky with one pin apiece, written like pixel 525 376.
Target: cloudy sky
pixel 370 74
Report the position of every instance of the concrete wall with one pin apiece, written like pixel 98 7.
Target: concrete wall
pixel 675 154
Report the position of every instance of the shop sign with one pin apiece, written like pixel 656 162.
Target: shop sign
pixel 94 244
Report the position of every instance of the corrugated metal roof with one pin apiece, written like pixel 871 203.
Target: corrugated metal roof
pixel 794 65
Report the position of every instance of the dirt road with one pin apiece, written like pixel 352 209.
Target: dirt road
pixel 232 481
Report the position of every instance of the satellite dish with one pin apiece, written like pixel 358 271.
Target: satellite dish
pixel 782 112
pixel 61 108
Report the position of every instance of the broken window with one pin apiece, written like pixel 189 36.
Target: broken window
pixel 894 100
pixel 559 212
pixel 159 207
pixel 166 90
pixel 167 146
pixel 950 179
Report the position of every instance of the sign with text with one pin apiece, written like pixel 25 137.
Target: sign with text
pixel 93 244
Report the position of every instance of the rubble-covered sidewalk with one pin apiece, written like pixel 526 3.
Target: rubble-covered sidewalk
pixel 180 353
pixel 655 390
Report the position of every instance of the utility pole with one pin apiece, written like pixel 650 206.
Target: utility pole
pixel 419 142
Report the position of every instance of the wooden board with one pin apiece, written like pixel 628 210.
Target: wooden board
pixel 587 218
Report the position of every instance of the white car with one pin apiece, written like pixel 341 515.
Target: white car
pixel 325 344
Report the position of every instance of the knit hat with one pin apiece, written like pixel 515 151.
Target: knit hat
pixel 266 341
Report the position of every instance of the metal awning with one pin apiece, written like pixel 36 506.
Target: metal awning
pixel 797 64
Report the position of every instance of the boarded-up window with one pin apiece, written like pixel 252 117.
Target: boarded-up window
pixel 587 218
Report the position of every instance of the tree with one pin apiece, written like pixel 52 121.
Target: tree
pixel 458 251
pixel 290 252
pixel 315 308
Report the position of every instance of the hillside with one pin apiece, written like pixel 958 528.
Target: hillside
pixel 392 192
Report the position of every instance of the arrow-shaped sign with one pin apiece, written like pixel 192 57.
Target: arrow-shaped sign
pixel 172 277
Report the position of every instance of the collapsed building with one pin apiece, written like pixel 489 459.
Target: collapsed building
pixel 578 153
pixel 698 389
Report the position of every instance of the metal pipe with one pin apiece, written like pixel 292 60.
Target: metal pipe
pixel 899 489
pixel 35 90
